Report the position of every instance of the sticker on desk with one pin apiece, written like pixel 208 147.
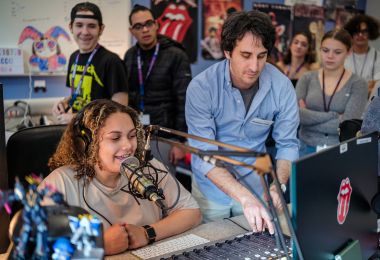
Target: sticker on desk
pixel 343 148
pixel 169 246
pixel 363 140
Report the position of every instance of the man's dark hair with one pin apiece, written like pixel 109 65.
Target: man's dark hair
pixel 240 23
pixel 139 8
pixel 353 25
pixel 87 6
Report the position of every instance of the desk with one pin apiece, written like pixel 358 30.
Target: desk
pixel 213 231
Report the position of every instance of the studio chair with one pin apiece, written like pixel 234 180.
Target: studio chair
pixel 29 150
pixel 349 129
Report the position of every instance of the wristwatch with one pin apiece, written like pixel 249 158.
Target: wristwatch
pixel 150 234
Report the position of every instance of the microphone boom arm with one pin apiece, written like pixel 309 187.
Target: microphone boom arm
pixel 263 165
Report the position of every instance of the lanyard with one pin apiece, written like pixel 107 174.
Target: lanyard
pixel 140 74
pixel 76 92
pixel 297 70
pixel 365 59
pixel 327 109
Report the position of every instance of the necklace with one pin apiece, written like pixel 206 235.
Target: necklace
pixel 327 109
pixel 365 59
pixel 296 71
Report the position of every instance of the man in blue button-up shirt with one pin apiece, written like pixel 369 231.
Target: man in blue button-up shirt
pixel 237 101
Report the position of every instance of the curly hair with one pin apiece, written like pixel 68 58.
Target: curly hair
pixel 240 23
pixel 340 35
pixel 353 25
pixel 310 55
pixel 83 155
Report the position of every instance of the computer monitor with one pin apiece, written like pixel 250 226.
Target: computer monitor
pixel 4 218
pixel 331 193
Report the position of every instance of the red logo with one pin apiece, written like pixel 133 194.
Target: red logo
pixel 344 197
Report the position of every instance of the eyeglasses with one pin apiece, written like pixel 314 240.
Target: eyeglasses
pixel 139 26
pixel 363 32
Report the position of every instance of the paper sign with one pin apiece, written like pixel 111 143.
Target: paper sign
pixel 11 61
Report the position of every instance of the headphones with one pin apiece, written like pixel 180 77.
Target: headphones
pixel 83 134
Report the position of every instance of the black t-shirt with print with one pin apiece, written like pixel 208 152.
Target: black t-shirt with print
pixel 105 76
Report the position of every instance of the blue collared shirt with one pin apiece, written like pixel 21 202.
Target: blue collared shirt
pixel 215 110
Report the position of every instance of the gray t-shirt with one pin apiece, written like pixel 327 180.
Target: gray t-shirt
pixel 248 95
pixel 318 127
pixel 116 205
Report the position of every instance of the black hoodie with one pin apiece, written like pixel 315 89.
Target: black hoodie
pixel 165 88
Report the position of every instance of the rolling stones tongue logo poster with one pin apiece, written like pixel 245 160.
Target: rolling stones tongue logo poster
pixel 179 21
pixel 344 197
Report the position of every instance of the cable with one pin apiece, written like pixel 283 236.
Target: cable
pixel 97 212
pixel 237 224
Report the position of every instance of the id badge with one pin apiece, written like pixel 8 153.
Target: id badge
pixel 144 119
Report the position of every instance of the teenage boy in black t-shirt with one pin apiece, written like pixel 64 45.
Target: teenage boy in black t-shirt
pixel 93 72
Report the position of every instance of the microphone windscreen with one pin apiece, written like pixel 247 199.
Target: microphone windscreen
pixel 131 162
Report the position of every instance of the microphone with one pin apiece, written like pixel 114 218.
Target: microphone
pixel 141 185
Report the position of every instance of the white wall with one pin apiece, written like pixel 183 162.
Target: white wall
pixel 373 9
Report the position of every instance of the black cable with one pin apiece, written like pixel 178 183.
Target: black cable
pixel 109 222
pixel 237 224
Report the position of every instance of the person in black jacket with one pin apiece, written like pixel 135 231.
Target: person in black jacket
pixel 158 72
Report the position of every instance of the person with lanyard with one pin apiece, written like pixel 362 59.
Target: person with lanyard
pixel 329 96
pixel 158 73
pixel 300 58
pixel 364 60
pixel 93 71
pixel 237 101
pixel 86 169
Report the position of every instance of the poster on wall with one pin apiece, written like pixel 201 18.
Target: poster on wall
pixel 215 12
pixel 310 18
pixel 40 29
pixel 280 16
pixel 179 21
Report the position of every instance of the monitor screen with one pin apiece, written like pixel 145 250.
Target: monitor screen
pixel 331 193
pixel 4 218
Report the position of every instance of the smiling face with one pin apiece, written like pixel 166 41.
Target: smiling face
pixel 299 46
pixel 333 54
pixel 144 28
pixel 247 60
pixel 86 32
pixel 117 141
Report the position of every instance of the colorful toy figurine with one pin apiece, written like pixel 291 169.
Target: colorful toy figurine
pixel 63 249
pixel 85 229
pixel 34 216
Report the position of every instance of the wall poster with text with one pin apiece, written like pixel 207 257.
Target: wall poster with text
pixel 215 12
pixel 280 16
pixel 179 21
pixel 310 18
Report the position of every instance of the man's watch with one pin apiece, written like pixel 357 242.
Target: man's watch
pixel 150 233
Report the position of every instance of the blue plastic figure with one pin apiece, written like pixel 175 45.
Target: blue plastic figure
pixel 63 250
pixel 85 229
pixel 33 215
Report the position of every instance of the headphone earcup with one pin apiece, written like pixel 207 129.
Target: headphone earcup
pixel 83 134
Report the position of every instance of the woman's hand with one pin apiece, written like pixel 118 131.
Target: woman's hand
pixel 116 239
pixel 136 236
pixel 301 103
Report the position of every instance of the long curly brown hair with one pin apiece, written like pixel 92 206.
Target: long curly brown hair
pixel 79 145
